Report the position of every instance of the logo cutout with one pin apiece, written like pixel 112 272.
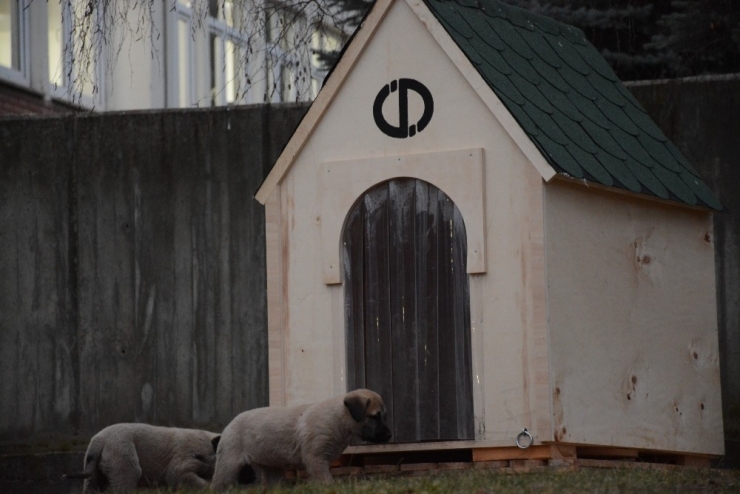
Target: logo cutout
pixel 403 130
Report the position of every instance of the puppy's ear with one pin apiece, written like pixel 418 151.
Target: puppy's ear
pixel 215 441
pixel 356 406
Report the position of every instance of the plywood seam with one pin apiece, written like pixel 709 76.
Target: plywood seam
pixel 541 361
pixel 551 384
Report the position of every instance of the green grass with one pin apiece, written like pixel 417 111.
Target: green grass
pixel 618 480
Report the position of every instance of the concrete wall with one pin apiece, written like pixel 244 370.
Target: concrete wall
pixel 132 262
pixel 700 115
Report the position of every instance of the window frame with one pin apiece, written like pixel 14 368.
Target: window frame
pixel 279 58
pixel 224 33
pixel 180 12
pixel 66 91
pixel 318 74
pixel 20 76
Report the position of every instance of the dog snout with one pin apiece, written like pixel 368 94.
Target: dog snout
pixel 378 434
pixel 384 435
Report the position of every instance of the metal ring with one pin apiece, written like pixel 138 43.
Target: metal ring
pixel 520 436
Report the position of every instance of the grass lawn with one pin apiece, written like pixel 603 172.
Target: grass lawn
pixel 617 480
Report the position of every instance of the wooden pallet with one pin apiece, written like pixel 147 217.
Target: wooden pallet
pixel 507 460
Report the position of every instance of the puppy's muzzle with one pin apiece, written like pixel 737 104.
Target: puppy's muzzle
pixel 378 434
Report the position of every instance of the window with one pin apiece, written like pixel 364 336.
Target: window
pixel 322 41
pixel 287 60
pixel 184 93
pixel 229 49
pixel 181 57
pixel 14 41
pixel 74 51
pixel 56 38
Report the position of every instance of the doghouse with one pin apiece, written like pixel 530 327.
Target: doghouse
pixel 476 219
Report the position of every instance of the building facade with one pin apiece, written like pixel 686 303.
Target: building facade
pixel 161 54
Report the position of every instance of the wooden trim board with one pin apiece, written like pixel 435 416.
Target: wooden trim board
pixel 536 452
pixel 459 174
pixel 275 302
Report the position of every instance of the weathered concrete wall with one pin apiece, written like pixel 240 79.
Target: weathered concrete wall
pixel 132 263
pixel 702 117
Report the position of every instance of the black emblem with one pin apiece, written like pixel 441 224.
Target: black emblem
pixel 403 130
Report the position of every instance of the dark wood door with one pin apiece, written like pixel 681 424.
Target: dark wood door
pixel 407 309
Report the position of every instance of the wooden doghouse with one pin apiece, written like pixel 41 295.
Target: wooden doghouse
pixel 476 219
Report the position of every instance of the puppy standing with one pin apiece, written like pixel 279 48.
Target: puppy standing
pixel 124 456
pixel 273 439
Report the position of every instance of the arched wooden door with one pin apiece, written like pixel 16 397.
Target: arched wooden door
pixel 407 309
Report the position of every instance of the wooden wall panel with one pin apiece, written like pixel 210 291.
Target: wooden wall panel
pixel 402 289
pixel 354 294
pixel 377 302
pixel 347 155
pixel 427 307
pixel 409 287
pixel 633 322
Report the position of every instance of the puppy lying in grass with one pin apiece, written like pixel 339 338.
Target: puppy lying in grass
pixel 123 457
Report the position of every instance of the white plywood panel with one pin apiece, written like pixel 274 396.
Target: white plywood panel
pixel 633 329
pixel 514 319
pixel 308 346
pixel 453 56
pixel 459 174
pixel 507 300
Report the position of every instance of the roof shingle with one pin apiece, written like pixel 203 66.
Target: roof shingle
pixel 569 101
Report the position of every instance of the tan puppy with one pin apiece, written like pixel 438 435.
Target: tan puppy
pixel 273 439
pixel 126 456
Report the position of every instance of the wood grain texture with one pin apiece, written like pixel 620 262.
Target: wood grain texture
pixel 407 305
pixel 343 182
pixel 536 452
pixel 633 322
pixel 275 303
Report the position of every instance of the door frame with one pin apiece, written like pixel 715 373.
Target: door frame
pixel 459 174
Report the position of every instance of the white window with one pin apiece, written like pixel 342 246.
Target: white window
pixel 180 57
pixel 229 56
pixel 323 40
pixel 75 52
pixel 287 57
pixel 56 32
pixel 14 41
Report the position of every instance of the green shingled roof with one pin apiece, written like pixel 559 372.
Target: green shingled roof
pixel 568 100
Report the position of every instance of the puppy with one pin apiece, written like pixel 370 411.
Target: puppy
pixel 126 456
pixel 273 439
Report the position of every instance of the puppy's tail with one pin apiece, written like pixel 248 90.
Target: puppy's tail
pixel 92 458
